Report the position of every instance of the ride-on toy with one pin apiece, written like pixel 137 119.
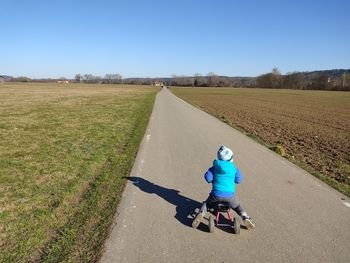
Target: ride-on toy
pixel 214 217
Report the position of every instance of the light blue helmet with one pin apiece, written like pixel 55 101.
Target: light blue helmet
pixel 225 154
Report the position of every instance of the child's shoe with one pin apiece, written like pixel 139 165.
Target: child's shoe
pixel 198 219
pixel 248 221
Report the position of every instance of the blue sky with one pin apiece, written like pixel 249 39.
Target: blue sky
pixel 160 38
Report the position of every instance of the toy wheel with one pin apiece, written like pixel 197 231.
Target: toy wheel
pixel 211 224
pixel 236 226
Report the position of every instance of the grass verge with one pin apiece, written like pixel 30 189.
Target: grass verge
pixel 64 156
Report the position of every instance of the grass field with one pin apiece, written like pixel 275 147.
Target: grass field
pixel 64 153
pixel 311 127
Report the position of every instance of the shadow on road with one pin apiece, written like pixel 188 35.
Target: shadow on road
pixel 185 207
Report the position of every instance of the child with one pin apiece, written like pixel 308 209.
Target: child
pixel 223 175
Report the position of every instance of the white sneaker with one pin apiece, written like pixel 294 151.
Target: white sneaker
pixel 248 221
pixel 198 219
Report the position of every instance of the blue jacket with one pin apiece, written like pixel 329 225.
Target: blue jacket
pixel 223 175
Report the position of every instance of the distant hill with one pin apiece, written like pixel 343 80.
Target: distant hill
pixel 6 77
pixel 333 74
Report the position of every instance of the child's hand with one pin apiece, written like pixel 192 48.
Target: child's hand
pixel 209 175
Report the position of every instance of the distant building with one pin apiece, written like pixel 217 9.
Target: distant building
pixel 158 83
pixel 63 81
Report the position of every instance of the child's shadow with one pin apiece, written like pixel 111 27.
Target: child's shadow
pixel 185 207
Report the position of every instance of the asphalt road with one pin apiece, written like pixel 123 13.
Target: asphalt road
pixel 297 217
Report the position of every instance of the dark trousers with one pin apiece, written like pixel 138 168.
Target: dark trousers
pixel 232 202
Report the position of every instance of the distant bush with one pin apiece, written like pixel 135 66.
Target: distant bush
pixel 21 79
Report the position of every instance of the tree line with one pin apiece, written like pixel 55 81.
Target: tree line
pixel 79 78
pixel 107 79
pixel 316 80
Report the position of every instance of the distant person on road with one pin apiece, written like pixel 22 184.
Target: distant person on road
pixel 223 176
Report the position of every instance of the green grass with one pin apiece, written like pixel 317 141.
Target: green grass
pixel 64 155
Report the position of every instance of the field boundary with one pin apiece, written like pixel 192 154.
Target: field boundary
pixel 342 188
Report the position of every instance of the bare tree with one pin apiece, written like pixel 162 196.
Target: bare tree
pixel 213 79
pixel 87 78
pixel 293 80
pixel 78 78
pixel 276 71
pixel 181 80
pixel 196 80
pixel 112 78
pixel 108 78
pixel 202 82
pixel 345 81
pixel 270 80
pixel 119 78
pixel 276 78
pixel 323 81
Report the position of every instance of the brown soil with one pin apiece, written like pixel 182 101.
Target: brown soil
pixel 312 126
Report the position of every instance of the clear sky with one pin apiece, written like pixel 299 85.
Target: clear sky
pixel 158 38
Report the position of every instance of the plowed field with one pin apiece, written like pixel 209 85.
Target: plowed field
pixel 313 127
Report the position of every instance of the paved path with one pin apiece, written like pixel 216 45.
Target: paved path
pixel 298 218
